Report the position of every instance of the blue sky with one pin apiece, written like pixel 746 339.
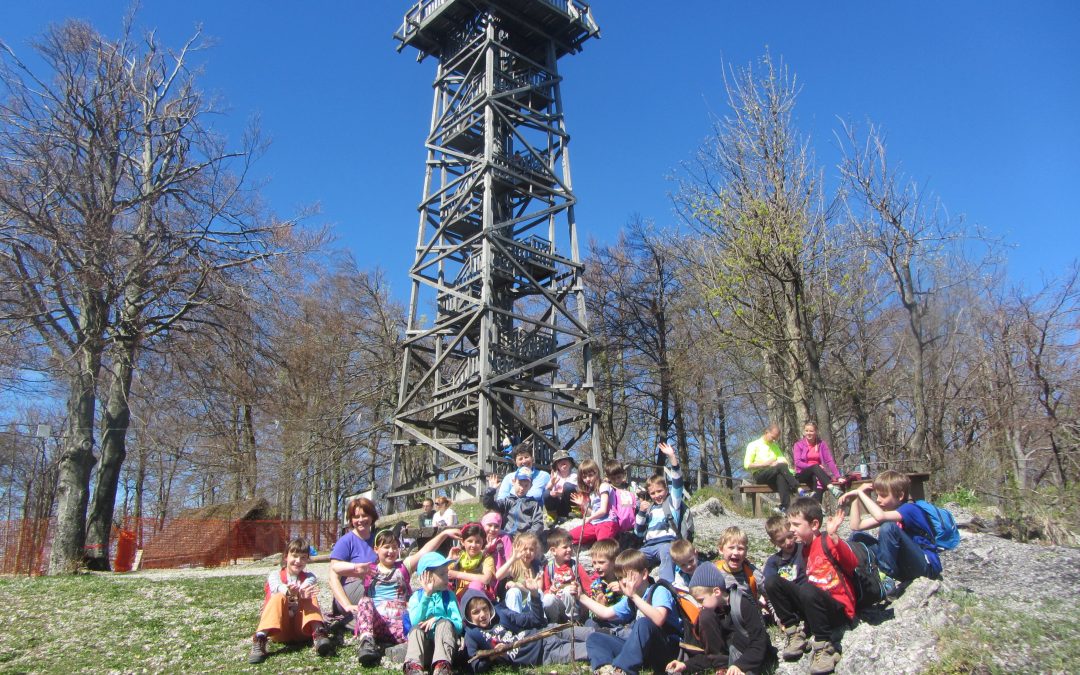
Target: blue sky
pixel 980 101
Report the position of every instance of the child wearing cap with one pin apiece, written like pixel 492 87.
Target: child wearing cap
pixel 523 458
pixel 563 483
pixel 729 627
pixel 435 619
pixel 523 513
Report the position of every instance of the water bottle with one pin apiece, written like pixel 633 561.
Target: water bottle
pixel 864 472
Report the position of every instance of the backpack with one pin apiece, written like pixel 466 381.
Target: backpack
pixel 582 577
pixel 946 535
pixel 689 610
pixel 866 579
pixel 684 524
pixel 369 580
pixel 625 508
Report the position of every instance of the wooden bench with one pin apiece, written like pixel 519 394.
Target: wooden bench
pixel 919 489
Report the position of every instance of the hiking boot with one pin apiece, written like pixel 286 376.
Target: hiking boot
pixel 413 668
pixel 795 644
pixel 441 668
pixel 824 658
pixel 366 652
pixel 258 649
pixel 321 639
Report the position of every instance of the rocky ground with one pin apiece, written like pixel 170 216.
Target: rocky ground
pixel 1000 606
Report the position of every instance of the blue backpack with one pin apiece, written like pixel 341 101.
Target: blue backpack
pixel 946 534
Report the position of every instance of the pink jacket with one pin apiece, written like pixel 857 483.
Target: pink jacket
pixel 802 448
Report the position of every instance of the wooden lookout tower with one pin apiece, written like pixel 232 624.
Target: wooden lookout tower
pixel 497 345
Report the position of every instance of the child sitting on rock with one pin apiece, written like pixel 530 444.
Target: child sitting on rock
pixel 732 548
pixel 656 520
pixel 290 611
pixel 826 603
pixel 905 547
pixel 788 561
pixel 684 557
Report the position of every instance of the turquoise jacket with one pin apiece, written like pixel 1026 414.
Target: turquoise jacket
pixel 442 604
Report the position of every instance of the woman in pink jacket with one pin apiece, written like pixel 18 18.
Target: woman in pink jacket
pixel 814 462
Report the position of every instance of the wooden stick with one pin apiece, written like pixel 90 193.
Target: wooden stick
pixel 507 646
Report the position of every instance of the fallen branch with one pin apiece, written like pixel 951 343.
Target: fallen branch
pixel 507 646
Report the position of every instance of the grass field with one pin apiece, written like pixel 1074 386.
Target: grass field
pixel 107 623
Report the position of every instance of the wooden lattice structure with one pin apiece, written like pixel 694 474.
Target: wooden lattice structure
pixel 498 341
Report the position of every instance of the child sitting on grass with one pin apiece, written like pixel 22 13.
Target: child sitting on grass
pixel 435 619
pixel 563 579
pixel 826 603
pixel 381 610
pixel 653 639
pixel 604 586
pixel 684 557
pixel 470 566
pixel 488 626
pixel 520 569
pixel 733 639
pixel 290 611
pixel 905 546
pixel 788 561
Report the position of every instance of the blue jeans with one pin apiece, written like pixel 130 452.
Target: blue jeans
pixel 660 554
pixel 646 646
pixel 897 554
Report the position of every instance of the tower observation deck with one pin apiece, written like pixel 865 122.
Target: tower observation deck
pixel 497 344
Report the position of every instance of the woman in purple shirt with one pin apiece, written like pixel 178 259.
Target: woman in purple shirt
pixel 814 462
pixel 353 557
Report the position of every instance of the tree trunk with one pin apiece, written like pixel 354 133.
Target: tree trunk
pixel 721 432
pixel 115 421
pixel 76 464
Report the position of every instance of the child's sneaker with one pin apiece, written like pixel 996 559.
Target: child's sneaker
pixel 322 643
pixel 258 649
pixel 889 585
pixel 413 668
pixel 795 644
pixel 824 658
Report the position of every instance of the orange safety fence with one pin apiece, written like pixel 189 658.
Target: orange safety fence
pixel 176 542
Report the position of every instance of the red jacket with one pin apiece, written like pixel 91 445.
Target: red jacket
pixel 821 572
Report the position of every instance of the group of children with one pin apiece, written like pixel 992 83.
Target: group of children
pixel 655 605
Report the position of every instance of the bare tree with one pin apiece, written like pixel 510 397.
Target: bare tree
pixel 123 216
pixel 771 260
pixel 914 241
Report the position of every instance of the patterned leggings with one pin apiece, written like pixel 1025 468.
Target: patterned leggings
pixel 382 621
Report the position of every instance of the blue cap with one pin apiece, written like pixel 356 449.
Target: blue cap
pixel 523 474
pixel 432 561
pixel 708 575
